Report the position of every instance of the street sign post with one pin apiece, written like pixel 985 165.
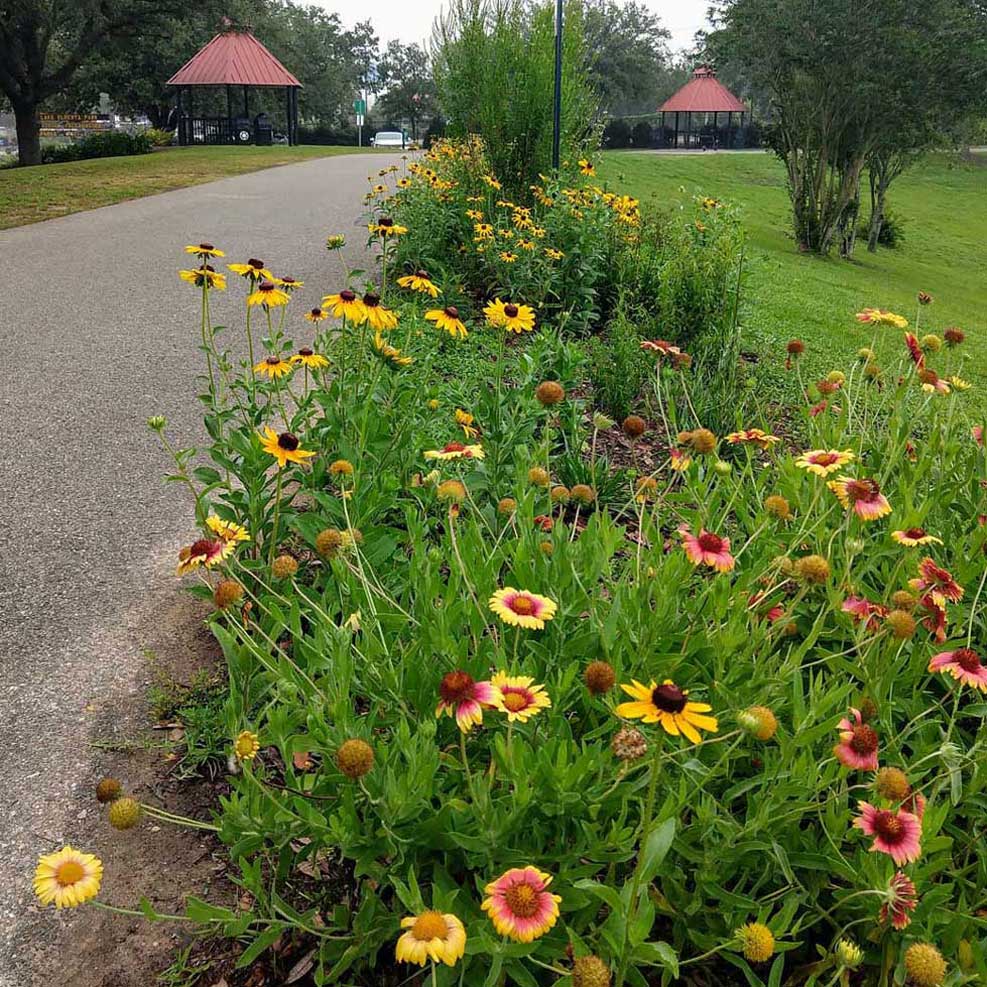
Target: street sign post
pixel 360 109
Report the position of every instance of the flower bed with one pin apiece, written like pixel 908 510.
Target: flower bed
pixel 503 714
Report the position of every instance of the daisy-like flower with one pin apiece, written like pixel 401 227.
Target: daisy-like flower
pixel 346 304
pixel 491 181
pixel 858 744
pixel 254 270
pixel 205 275
pixel 390 354
pixel 379 317
pixel 754 436
pixel 933 605
pixel 915 536
pixel 519 608
pixel 419 281
pixel 881 317
pixel 67 878
pixel 316 315
pixel 463 697
pixel 862 609
pixel 433 936
pixel 902 899
pixel 285 448
pixel 964 665
pixel 289 283
pixel 208 552
pixel 522 699
pixel 679 460
pixel 669 706
pixel 274 367
pixel 456 450
pixel 822 462
pixel 204 250
pixel 507 257
pixel 864 497
pixel 309 358
pixel 465 421
pixel 386 227
pixel 896 833
pixel 229 530
pixel 519 905
pixel 507 315
pixel 707 549
pixel 586 168
pixel 246 746
pixel 448 319
pixel 552 254
pixel 936 580
pixel 268 294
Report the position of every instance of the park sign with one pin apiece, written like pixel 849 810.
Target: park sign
pixel 60 123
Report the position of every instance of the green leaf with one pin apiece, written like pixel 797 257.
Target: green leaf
pixel 656 848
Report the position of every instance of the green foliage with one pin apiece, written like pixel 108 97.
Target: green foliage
pixel 893 230
pixel 158 137
pixel 618 368
pixel 494 72
pixel 105 144
pixel 409 90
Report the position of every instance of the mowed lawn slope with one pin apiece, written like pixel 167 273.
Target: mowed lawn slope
pixel 29 195
pixel 942 204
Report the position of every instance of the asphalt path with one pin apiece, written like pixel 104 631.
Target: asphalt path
pixel 98 333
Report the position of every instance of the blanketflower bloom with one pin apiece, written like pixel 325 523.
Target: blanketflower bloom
pixel 902 898
pixel 433 936
pixel 858 743
pixel 822 462
pixel 507 315
pixel 419 281
pixel 934 607
pixel 379 317
pixel 67 878
pixel 246 746
pixel 229 530
pixel 205 275
pixel 707 549
pixel 462 696
pixel 864 497
pixel 465 421
pixel 208 552
pixel 679 460
pixel 915 536
pixel 864 609
pixel 310 359
pixel 268 294
pixel 456 450
pixel 273 367
pixel 448 319
pixel 881 317
pixel 285 448
pixel 937 581
pixel 519 905
pixel 519 608
pixel 964 665
pixel 664 348
pixel 915 350
pixel 896 833
pixel 755 436
pixel 204 250
pixel 522 699
pixel 669 706
pixel 254 270
pixel 346 304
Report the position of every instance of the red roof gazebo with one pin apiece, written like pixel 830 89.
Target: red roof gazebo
pixel 704 95
pixel 236 60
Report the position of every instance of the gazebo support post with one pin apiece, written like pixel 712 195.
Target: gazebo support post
pixel 246 106
pixel 181 122
pixel 676 143
pixel 230 137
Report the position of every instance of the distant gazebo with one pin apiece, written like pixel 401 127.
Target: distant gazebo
pixel 237 61
pixel 696 110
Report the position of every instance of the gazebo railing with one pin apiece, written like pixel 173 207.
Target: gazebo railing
pixel 206 130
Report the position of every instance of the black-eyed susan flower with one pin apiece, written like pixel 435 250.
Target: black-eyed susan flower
pixel 420 282
pixel 268 294
pixel 822 462
pixel 448 320
pixel 386 227
pixel 460 695
pixel 519 904
pixel 520 697
pixel 586 168
pixel 915 536
pixel 519 608
pixel 316 315
pixel 552 254
pixel 507 257
pixel 436 936
pixel 229 530
pixel 379 317
pixel 204 250
pixel 67 878
pixel 285 448
pixel 246 746
pixel 254 270
pixel 346 304
pixel 205 276
pixel 207 552
pixel 274 367
pixel 390 354
pixel 456 450
pixel 309 358
pixel 669 706
pixel 509 316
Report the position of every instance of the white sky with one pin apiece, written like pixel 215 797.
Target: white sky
pixel 411 20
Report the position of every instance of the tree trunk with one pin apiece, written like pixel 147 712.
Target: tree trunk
pixel 28 134
pixel 876 217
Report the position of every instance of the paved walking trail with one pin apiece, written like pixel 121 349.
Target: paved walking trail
pixel 98 333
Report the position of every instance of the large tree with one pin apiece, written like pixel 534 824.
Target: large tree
pixel 408 90
pixel 44 42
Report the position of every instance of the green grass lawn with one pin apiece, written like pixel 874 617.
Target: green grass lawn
pixel 942 204
pixel 29 195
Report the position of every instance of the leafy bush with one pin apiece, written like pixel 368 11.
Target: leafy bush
pixel 617 133
pixel 333 136
pixel 618 367
pixel 892 233
pixel 159 137
pixel 103 144
pixel 643 134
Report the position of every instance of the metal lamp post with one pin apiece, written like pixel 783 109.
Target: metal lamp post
pixel 557 112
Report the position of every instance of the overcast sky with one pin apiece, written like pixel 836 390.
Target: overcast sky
pixel 411 20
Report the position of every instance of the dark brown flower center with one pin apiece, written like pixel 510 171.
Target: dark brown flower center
pixel 206 246
pixel 862 490
pixel 511 311
pixel 456 686
pixel 347 296
pixel 371 300
pixel 710 543
pixel 915 533
pixel 267 286
pixel 888 826
pixel 305 351
pixel 668 698
pixel 421 273
pixel 522 900
pixel 273 361
pixel 864 739
pixel 452 311
pixel 288 441
pixel 316 312
pixel 254 263
pixel 385 221
pixel 967 659
pixel 201 547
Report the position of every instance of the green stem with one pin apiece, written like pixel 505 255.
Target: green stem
pixel 277 518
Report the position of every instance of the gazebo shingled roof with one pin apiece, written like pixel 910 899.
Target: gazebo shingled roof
pixel 703 93
pixel 233 58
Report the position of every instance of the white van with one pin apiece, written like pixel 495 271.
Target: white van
pixel 387 138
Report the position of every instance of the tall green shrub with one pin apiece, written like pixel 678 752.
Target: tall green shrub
pixel 494 70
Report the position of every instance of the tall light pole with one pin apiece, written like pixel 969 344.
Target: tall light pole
pixel 557 112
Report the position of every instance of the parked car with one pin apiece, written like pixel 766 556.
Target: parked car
pixel 387 138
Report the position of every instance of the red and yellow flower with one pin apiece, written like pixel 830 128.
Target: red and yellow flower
pixel 896 832
pixel 520 697
pixel 519 905
pixel 858 744
pixel 864 497
pixel 519 608
pixel 460 695
pixel 456 450
pixel 915 536
pixel 436 936
pixel 707 549
pixel 964 665
pixel 822 462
